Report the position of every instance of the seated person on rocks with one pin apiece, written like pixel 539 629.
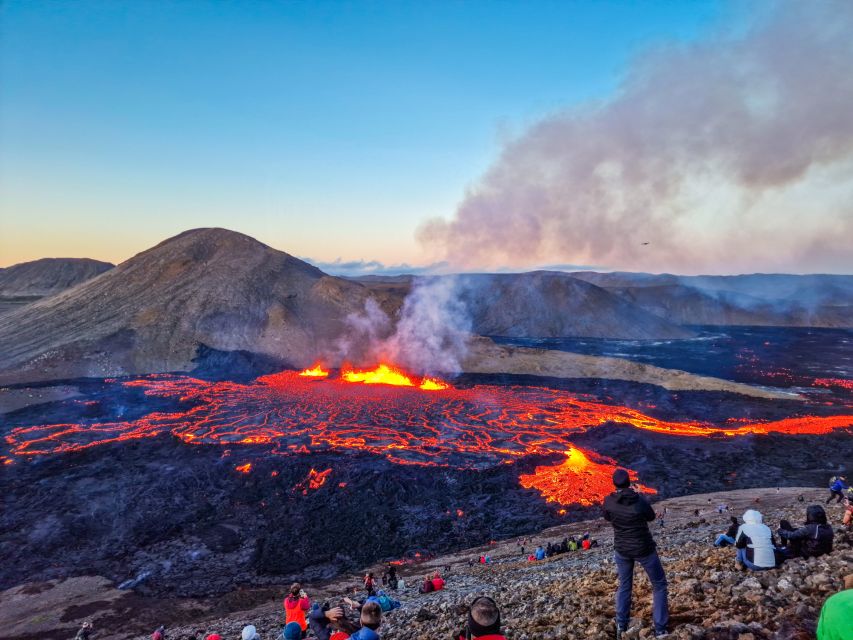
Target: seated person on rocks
pixel 386 602
pixel 437 582
pixel 159 634
pixel 811 540
pixel 728 538
pixel 296 605
pixel 484 621
pixel 370 619
pixel 291 631
pixel 249 633
pixel 540 553
pixel 427 586
pixel 754 543
pixel 836 616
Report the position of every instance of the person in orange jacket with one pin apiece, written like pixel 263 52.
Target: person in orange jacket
pixel 296 605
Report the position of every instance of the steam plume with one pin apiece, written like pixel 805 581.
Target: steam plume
pixel 728 154
pixel 430 337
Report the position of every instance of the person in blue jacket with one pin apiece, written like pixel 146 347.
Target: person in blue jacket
pixel 540 553
pixel 837 487
pixel 371 618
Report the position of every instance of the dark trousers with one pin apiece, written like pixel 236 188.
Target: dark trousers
pixel 654 569
pixel 838 495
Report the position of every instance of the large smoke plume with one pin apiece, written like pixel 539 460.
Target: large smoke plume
pixel 727 154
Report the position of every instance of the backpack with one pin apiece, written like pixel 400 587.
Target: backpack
pixel 385 603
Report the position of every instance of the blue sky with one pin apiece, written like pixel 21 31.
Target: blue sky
pixel 326 129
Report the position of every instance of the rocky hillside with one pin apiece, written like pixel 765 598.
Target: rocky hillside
pixel 551 304
pixel 26 282
pixel 567 596
pixel 571 595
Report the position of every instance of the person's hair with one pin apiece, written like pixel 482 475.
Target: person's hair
pixel 485 611
pixel 815 514
pixel 371 615
pixel 295 588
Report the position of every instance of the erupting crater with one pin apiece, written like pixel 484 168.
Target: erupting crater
pixel 389 413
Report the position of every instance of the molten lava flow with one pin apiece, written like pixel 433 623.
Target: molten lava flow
pixel 244 468
pixel 313 481
pixel 834 382
pixel 317 371
pixel 432 384
pixel 474 427
pixel 386 374
pixel 577 479
pixel 382 374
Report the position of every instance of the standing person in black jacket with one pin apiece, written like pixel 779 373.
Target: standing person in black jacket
pixel 630 514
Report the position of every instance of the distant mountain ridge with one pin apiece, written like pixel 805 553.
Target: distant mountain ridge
pixel 47 276
pixel 221 290
pixel 28 281
pixel 814 300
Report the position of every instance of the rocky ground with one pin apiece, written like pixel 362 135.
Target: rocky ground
pixel 568 596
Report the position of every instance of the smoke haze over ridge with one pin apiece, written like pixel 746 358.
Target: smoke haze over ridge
pixel 726 155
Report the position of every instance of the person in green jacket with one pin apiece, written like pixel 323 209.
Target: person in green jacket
pixel 836 616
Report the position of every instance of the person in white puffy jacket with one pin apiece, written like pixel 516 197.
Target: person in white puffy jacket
pixel 754 541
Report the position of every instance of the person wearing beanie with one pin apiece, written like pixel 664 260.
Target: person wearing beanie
pixel 292 631
pixel 630 513
pixel 484 621
pixel 250 633
pixel 836 614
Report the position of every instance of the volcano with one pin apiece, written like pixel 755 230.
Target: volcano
pixel 207 287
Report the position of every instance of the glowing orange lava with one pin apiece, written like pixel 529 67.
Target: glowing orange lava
pixel 834 382
pixel 432 384
pixel 474 427
pixel 313 481
pixel 317 371
pixel 382 374
pixel 577 479
pixel 244 468
pixel 386 374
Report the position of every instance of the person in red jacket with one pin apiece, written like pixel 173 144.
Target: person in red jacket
pixel 437 582
pixel 370 584
pixel 484 621
pixel 296 605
